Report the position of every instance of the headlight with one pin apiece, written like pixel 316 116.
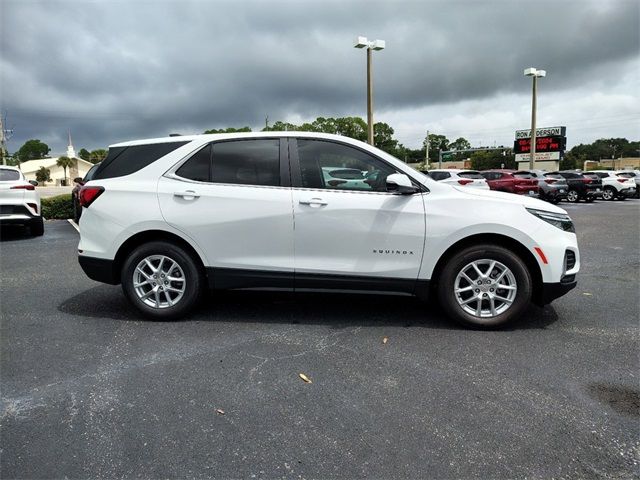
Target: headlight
pixel 560 220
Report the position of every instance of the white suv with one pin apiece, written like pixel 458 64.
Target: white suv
pixel 19 201
pixel 168 217
pixel 452 176
pixel 614 186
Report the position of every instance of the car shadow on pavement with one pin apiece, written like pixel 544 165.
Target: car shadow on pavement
pixel 335 310
pixel 14 232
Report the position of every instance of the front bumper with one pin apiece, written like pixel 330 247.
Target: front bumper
pixel 551 291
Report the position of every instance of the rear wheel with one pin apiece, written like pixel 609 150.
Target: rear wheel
pixel 36 226
pixel 162 280
pixel 573 196
pixel 485 286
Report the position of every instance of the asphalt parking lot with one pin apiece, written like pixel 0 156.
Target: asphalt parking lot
pixel 90 390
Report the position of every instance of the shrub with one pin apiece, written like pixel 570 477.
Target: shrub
pixel 57 207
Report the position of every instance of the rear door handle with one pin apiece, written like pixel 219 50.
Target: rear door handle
pixel 187 194
pixel 313 202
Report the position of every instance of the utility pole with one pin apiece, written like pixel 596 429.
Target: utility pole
pixel 426 155
pixel 5 134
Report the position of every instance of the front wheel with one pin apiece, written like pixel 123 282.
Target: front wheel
pixel 608 194
pixel 485 286
pixel 162 280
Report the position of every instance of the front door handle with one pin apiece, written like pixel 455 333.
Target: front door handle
pixel 313 202
pixel 187 194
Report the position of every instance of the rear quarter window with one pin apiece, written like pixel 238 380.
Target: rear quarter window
pixel 121 161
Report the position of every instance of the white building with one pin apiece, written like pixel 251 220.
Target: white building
pixel 79 168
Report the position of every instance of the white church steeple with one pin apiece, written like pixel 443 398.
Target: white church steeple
pixel 71 153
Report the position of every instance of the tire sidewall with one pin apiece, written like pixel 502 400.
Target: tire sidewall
pixel 446 284
pixel 193 277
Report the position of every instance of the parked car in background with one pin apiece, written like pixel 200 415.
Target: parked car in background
pixel 614 186
pixel 580 186
pixel 19 201
pixel 507 181
pixel 255 210
pixel 466 178
pixel 635 174
pixel 552 188
pixel 78 183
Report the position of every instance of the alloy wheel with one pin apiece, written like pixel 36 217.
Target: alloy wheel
pixel 485 288
pixel 159 281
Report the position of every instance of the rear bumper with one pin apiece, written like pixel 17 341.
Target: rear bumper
pixel 99 269
pixel 16 215
pixel 628 192
pixel 551 291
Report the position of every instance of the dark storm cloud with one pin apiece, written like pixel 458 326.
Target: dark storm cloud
pixel 112 71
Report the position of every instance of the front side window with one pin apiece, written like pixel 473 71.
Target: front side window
pixel 334 166
pixel 247 162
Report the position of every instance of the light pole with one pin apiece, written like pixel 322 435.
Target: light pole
pixel 533 73
pixel 362 42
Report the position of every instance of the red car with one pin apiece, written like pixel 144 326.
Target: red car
pixel 511 181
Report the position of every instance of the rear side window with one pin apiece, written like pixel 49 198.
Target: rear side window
pixel 7 175
pixel 247 162
pixel 470 174
pixel 123 161
pixel 198 167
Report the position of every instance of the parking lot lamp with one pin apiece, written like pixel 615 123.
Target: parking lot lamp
pixel 362 42
pixel 534 74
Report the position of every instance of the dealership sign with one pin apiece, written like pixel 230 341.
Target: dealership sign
pixel 543 132
pixel 543 144
pixel 540 156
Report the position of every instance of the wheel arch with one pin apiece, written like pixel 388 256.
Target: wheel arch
pixel 146 236
pixel 493 239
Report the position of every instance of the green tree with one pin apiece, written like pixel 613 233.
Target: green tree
pixel 281 127
pixel 383 139
pixel 488 159
pixel 32 149
pixel 43 175
pixel 460 144
pixel 84 154
pixel 436 144
pixel 65 162
pixel 229 130
pixel 98 155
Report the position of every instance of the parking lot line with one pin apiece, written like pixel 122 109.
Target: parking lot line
pixel 74 224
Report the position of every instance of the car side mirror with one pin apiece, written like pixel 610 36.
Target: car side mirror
pixel 78 180
pixel 33 182
pixel 401 184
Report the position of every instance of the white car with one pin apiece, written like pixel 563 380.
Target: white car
pixel 169 217
pixel 19 201
pixel 633 174
pixel 615 186
pixel 466 178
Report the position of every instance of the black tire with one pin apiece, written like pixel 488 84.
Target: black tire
pixel 573 196
pixel 622 198
pixel 36 227
pixel 456 264
pixel 191 273
pixel 590 199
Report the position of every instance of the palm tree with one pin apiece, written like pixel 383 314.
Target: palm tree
pixel 65 162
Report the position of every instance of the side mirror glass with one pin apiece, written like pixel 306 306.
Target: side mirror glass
pixel 33 182
pixel 401 184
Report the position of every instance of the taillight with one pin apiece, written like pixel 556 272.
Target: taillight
pixel 622 180
pixel 27 186
pixel 464 181
pixel 586 180
pixel 550 181
pixel 87 195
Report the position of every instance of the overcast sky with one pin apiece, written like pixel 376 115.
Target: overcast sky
pixel 113 71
